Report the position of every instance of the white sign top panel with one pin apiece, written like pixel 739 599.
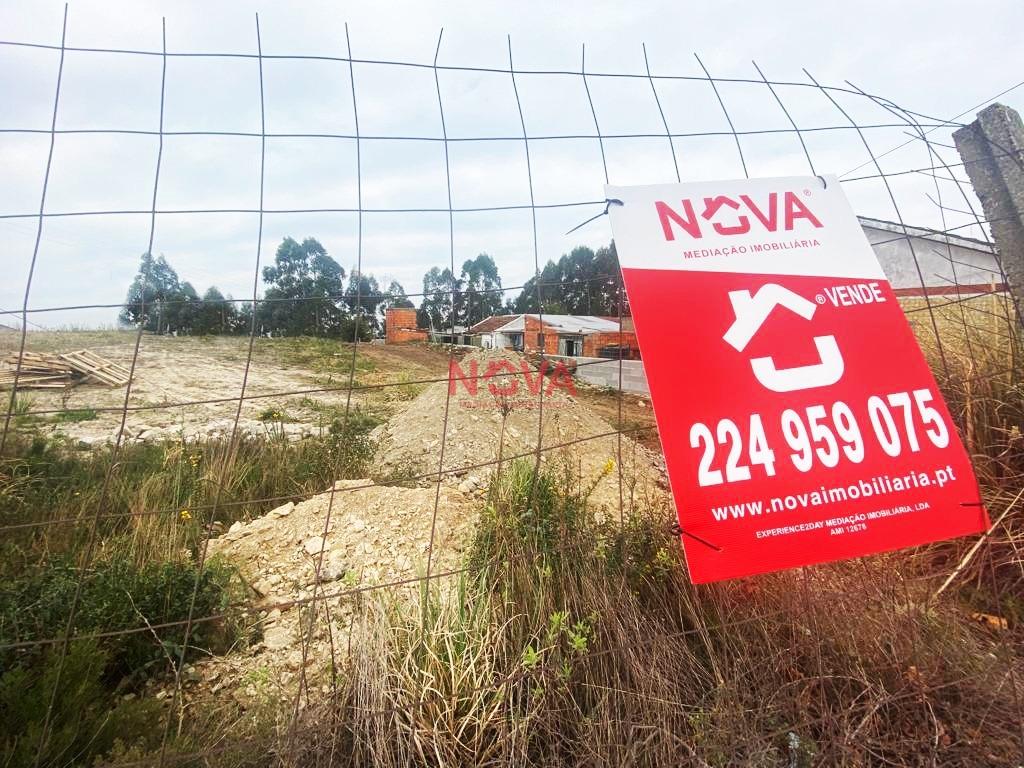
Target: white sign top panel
pixel 794 225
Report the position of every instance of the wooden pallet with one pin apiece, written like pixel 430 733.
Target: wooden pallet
pixel 48 371
pixel 97 368
pixel 39 363
pixel 31 380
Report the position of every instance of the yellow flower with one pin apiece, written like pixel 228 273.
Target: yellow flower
pixel 186 515
pixel 608 467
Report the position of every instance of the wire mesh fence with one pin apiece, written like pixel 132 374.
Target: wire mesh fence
pixel 519 599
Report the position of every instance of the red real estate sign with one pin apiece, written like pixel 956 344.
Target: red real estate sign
pixel 799 419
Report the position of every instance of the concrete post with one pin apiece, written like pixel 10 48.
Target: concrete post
pixel 992 148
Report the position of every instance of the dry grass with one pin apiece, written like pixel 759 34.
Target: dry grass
pixel 577 644
pixel 977 360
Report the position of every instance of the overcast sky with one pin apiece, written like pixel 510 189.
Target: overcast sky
pixel 937 58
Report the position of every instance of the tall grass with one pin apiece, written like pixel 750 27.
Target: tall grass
pixel 577 643
pixel 148 511
pixel 978 360
pixel 154 501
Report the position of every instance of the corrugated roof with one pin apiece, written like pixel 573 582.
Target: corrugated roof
pixel 580 323
pixel 575 324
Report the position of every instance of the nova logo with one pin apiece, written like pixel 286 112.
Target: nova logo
pixel 503 380
pixel 730 217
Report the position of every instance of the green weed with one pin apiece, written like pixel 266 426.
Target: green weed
pixel 88 720
pixel 76 415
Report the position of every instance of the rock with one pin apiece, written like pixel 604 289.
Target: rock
pixel 314 544
pixel 467 486
pixel 356 525
pixel 329 573
pixel 235 527
pixel 284 510
pixel 276 638
pixel 641 403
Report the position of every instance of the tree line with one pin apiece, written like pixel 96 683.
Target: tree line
pixel 581 282
pixel 309 293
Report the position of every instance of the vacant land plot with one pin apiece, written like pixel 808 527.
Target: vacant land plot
pixel 265 599
pixel 189 387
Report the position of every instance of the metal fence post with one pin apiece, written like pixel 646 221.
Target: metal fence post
pixel 992 148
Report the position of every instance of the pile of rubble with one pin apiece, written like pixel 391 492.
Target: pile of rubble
pixel 375 535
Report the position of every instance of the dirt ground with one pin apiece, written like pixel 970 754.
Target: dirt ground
pixel 357 535
pixel 285 384
pixel 174 370
pixel 637 413
pixel 490 420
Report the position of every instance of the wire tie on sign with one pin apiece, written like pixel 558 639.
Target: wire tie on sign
pixel 677 530
pixel 972 504
pixel 824 184
pixel 608 203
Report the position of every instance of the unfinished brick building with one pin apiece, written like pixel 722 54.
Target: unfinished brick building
pixel 400 326
pixel 566 335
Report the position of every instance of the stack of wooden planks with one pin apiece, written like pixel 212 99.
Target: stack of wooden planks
pixel 40 370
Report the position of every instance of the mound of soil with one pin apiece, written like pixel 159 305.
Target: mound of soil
pixel 495 413
pixel 376 535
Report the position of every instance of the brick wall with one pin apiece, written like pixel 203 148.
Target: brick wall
pixel 400 326
pixel 592 343
pixel 532 328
